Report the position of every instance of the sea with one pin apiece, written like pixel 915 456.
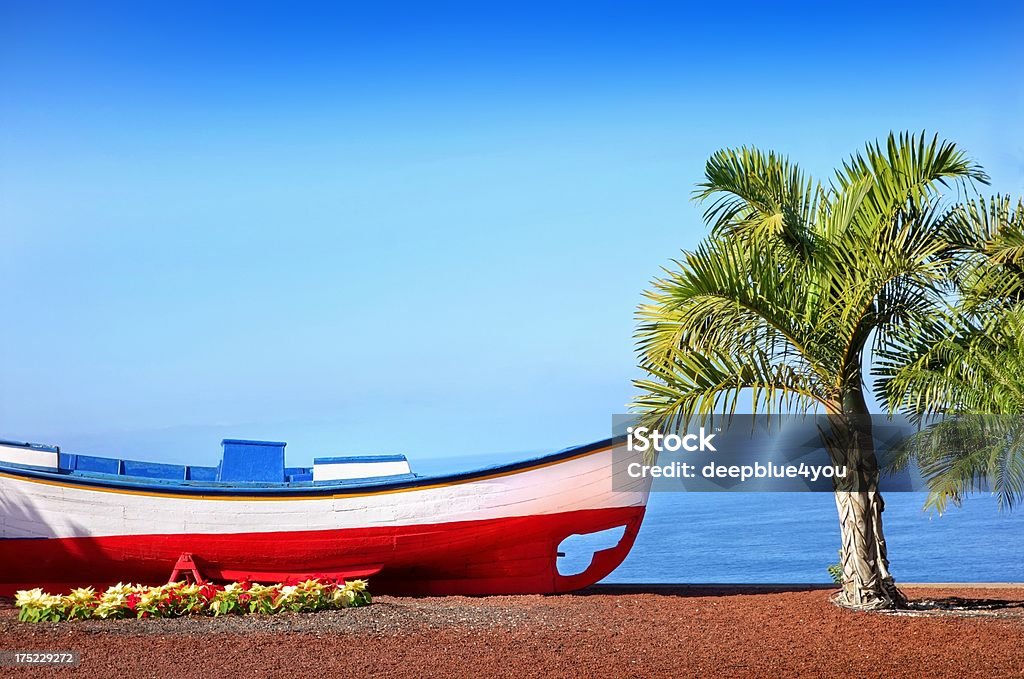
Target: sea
pixel 778 537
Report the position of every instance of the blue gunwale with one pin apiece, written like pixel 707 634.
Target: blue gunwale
pixel 302 489
pixel 345 459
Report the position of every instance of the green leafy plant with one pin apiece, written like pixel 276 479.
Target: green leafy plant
pixel 180 599
pixel 836 571
pixel 963 379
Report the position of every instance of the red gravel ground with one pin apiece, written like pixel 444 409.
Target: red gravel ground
pixel 689 631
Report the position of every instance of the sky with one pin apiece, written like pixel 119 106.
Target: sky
pixel 418 228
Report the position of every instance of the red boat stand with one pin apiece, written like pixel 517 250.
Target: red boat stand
pixel 187 567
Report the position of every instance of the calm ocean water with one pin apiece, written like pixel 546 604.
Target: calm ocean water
pixel 793 537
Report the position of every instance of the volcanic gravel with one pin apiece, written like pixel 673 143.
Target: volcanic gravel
pixel 625 633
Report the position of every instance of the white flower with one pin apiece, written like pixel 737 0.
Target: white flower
pixel 82 595
pixel 33 598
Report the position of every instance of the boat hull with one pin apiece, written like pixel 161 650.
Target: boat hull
pixel 493 532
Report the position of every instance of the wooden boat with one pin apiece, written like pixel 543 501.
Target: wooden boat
pixel 73 520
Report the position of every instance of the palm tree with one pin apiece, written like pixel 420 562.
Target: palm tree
pixel 797 283
pixel 964 378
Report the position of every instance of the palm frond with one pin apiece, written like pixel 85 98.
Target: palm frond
pixel 761 196
pixel 795 279
pixel 966 454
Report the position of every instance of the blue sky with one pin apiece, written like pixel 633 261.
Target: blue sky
pixel 418 228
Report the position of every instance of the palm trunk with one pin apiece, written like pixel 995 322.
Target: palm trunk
pixel 866 582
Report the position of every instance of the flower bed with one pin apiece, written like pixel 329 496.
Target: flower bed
pixel 178 599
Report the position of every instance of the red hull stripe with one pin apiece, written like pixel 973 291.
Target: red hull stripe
pixel 495 556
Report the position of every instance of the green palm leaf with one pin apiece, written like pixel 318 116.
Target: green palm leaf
pixel 969 365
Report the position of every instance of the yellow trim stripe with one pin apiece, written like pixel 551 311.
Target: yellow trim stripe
pixel 273 496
